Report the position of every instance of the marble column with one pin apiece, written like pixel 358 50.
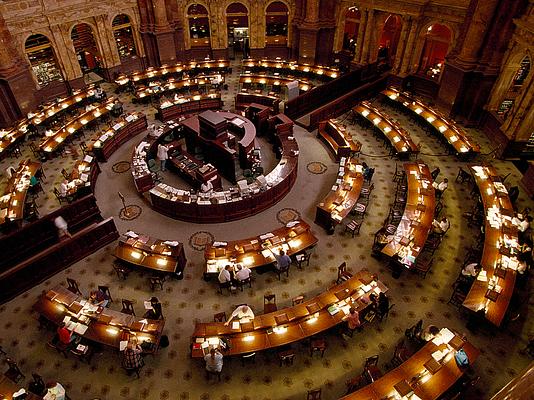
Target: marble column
pixel 521 107
pixel 164 33
pixel 65 54
pixel 360 38
pixel 401 47
pixel 108 46
pixel 409 49
pixel 369 32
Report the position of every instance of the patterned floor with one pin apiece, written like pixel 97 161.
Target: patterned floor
pixel 173 375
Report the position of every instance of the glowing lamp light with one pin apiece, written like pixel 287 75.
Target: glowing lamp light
pixel 60 307
pixel 393 96
pixel 97 113
pixel 84 121
pixel 59 139
pixel 162 262
pixel 319 72
pixel 64 105
pixel 418 110
pixel 248 80
pixel 112 331
pixel 15 202
pixel 387 129
pixel 276 83
pixel 48 149
pixel 295 243
pixel 196 97
pixel 136 255
pixel 333 75
pixel 365 113
pixel 78 99
pixel 248 260
pixel 464 149
pixel 431 119
pixel 376 120
pixel 280 329
pixel 70 129
pixel 442 128
pixel 248 338
pixel 221 65
pixel 305 87
pixel 396 139
pixel 263 81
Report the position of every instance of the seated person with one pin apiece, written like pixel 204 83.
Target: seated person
pixel 241 312
pixel 54 391
pixel 206 187
pixel 522 224
pixel 99 298
pixel 117 108
pixel 471 270
pixel 353 319
pixel 214 361
pixel 383 304
pixel 441 226
pixel 440 187
pixel 155 312
pixel 243 273
pixel 65 336
pixel 366 170
pixel 225 277
pixel 435 172
pixel 429 333
pixel 62 227
pixel 132 356
pixel 64 188
pixel 283 261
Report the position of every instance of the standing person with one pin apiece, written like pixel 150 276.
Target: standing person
pixel 383 305
pixel 54 391
pixel 214 361
pixel 62 227
pixel 163 155
pixel 282 261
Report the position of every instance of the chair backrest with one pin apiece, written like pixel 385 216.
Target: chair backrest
pixel 371 362
pixel 342 269
pixel 73 285
pixel 269 299
pixel 298 300
pixel 219 317
pixel 314 394
pixel 127 307
pixel 106 291
pixel 399 347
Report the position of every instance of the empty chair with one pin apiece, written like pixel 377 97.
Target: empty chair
pixel 371 370
pixel 317 345
pixel 297 300
pixel 286 357
pixel 342 273
pixel 156 282
pixel 219 317
pixel 121 270
pixel 13 373
pixel 250 357
pixel 303 258
pixel 423 265
pixel 353 227
pixel 399 174
pixel 314 394
pixel 401 353
pixel 37 386
pixel 463 176
pixel 414 331
pixel 62 199
pixel 269 303
pixel 127 307
pixel 73 286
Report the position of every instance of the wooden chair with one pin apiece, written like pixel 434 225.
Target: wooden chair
pixel 127 307
pixel 72 285
pixel 244 282
pixel 423 265
pixel 317 345
pixel 463 176
pixel 399 174
pixel 281 271
pixel 383 316
pixel 414 331
pixel 13 373
pixel 458 295
pixel 314 394
pixel 35 150
pixel 359 210
pixel 217 374
pixel 106 291
pixel 342 273
pixel 121 270
pixel 269 303
pixel 371 370
pixel 250 357
pixel 286 357
pixel 297 300
pixel 353 227
pixel 219 317
pixel 62 348
pixel 61 199
pixel 303 258
pixel 37 386
pixel 225 285
pixel 155 282
pixel 400 354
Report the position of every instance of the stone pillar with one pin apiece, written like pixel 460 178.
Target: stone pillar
pixel 521 107
pixel 108 46
pixel 17 93
pixel 361 35
pixel 164 33
pixel 369 32
pixel 401 47
pixel 406 63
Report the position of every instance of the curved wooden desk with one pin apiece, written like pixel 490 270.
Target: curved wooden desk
pixel 338 139
pixel 172 85
pixel 493 288
pixel 257 251
pixel 399 138
pixel 342 197
pixel 291 324
pixel 416 223
pixel 230 204
pixel 456 136
pixel 304 85
pixel 158 255
pixel 104 326
pixel 244 99
pixel 168 110
pixel 157 72
pixel 414 375
pixel 82 178
pixel 317 71
pixel 8 387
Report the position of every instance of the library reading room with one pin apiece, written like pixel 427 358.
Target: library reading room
pixel 266 200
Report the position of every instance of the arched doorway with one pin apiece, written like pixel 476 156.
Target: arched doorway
pixel 350 31
pixel 237 28
pixel 122 32
pixel 199 26
pixel 389 39
pixel 276 23
pixel 42 59
pixel 86 49
pixel 515 87
pixel 438 39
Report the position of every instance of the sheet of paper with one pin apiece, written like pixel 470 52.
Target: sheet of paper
pixel 235 325
pixel 122 345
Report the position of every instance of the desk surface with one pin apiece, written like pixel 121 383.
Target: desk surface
pixel 14 198
pixel 155 254
pixel 399 138
pixel 304 85
pixel 455 135
pixel 318 70
pixel 416 223
pixel 105 326
pixel 290 324
pixel 8 387
pixel 498 210
pixel 428 386
pixel 173 84
pixel 258 250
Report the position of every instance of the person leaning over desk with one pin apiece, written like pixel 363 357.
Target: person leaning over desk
pixel 241 312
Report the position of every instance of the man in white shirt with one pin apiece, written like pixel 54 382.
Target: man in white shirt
pixel 241 312
pixel 206 187
pixel 64 188
pixel 242 273
pixel 162 155
pixel 214 361
pixel 471 269
pixel 440 187
pixel 54 391
pixel 442 226
pixel 523 224
pixel 224 275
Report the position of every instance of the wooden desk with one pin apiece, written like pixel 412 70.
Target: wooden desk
pixel 455 135
pixel 52 143
pixel 291 324
pixel 317 71
pixel 82 178
pixel 104 143
pixel 339 140
pixel 243 100
pixel 10 136
pixel 342 197
pixel 168 110
pixel 428 386
pixel 157 72
pixel 105 326
pixel 14 198
pixel 258 250
pixel 304 85
pixel 172 85
pixel 165 256
pixel 498 210
pixel 416 223
pixel 196 172
pixel 8 387
pixel 398 137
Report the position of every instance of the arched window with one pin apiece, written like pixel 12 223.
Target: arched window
pixel 515 87
pixel 350 32
pixel 199 25
pixel 42 59
pixel 237 27
pixel 122 31
pixel 437 42
pixel 85 46
pixel 389 39
pixel 276 21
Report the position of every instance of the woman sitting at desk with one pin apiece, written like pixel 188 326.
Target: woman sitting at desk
pixel 155 312
pixel 99 298
pixel 240 313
